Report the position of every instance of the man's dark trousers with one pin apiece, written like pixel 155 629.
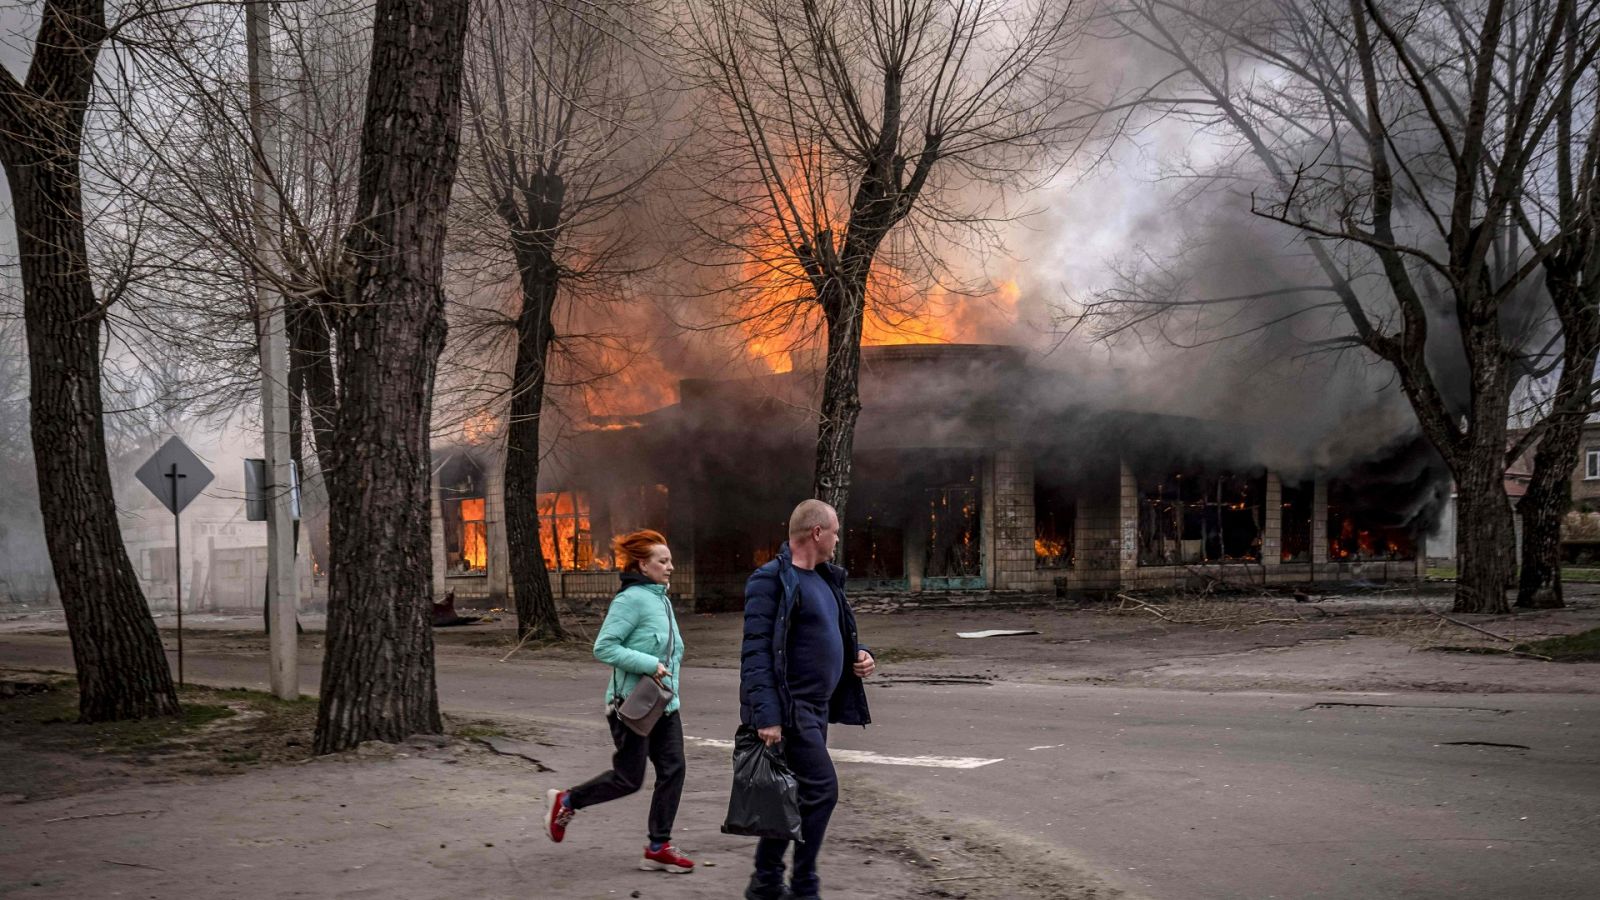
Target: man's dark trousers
pixel 805 748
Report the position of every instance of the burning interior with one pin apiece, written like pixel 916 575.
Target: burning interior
pixel 464 506
pixel 962 480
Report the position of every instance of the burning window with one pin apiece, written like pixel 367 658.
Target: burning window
pixel 625 510
pixel 466 544
pixel 575 533
pixel 1199 517
pixel 1361 526
pixel 953 550
pixel 1055 516
pixel 462 509
pixel 565 534
pixel 1296 539
pixel 874 539
pixel 875 542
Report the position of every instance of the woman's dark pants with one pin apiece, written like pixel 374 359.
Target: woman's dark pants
pixel 664 747
pixel 805 748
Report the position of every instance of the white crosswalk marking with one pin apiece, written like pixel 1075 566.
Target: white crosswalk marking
pixel 867 756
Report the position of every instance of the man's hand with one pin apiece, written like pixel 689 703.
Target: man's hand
pixel 864 664
pixel 770 735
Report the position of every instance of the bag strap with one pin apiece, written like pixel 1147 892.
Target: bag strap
pixel 672 633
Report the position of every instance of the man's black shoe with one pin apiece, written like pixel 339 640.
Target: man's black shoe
pixel 758 891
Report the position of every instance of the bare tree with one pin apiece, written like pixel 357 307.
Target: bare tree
pixel 560 121
pixel 1572 280
pixel 184 136
pixel 378 675
pixel 121 666
pixel 1412 146
pixel 846 131
pixel 193 126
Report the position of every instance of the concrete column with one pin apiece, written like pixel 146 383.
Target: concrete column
pixel 1128 518
pixel 494 523
pixel 1014 520
pixel 988 502
pixel 1272 527
pixel 436 527
pixel 916 546
pixel 1319 523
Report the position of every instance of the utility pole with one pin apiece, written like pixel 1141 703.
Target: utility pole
pixel 272 338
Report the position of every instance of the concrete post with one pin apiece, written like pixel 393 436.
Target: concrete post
pixel 1272 522
pixel 1128 521
pixel 274 344
pixel 1319 523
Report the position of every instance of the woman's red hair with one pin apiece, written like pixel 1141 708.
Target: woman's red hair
pixel 636 547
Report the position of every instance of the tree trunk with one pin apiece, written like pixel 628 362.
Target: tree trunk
pixel 378 674
pixel 1548 498
pixel 841 394
pixel 1485 531
pixel 537 615
pixel 1549 495
pixel 121 665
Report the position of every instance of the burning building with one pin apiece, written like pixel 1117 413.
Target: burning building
pixel 965 479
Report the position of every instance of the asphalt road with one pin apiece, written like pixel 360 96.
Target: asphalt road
pixel 1174 795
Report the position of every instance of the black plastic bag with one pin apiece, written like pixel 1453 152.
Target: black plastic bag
pixel 765 800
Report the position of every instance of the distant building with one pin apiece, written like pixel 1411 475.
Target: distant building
pixel 224 555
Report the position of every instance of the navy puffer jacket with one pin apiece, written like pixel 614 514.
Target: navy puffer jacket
pixel 769 601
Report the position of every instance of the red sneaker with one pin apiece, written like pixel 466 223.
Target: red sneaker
pixel 666 859
pixel 558 815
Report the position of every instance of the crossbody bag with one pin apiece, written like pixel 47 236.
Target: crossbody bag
pixel 648 700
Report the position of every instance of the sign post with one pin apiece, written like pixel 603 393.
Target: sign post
pixel 175 476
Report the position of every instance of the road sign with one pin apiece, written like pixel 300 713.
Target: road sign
pixel 175 475
pixel 255 492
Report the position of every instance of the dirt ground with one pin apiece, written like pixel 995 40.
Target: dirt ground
pixel 234 806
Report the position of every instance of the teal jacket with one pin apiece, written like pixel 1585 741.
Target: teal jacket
pixel 633 638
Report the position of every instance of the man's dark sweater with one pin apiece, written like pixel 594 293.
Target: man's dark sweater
pixel 816 650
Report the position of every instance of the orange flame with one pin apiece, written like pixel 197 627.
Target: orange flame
pixel 481 428
pixel 474 540
pixel 777 314
pixel 565 534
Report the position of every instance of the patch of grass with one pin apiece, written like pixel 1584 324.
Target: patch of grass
pixel 152 735
pixel 226 728
pixel 903 654
pixel 1447 573
pixel 470 730
pixel 258 698
pixel 1581 647
pixel 51 719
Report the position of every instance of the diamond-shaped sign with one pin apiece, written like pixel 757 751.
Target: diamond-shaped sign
pixel 173 464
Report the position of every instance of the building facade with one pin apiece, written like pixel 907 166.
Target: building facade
pixel 971 473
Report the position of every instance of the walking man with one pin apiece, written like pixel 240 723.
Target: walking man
pixel 801 669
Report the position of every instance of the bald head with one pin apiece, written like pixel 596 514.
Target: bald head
pixel 808 515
